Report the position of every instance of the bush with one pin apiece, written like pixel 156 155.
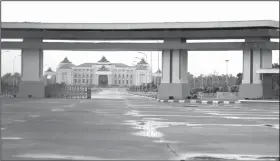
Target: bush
pixel 234 89
pixel 225 88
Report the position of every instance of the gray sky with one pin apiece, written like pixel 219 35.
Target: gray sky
pixel 110 12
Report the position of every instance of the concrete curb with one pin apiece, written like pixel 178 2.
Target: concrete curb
pixel 207 101
pixel 259 101
pixel 200 101
pixel 190 101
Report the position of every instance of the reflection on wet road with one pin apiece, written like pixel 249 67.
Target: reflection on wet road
pixel 117 125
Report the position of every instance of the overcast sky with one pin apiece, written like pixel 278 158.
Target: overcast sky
pixel 110 12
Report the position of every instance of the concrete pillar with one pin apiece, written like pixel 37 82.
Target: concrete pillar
pixel 32 82
pixel 109 80
pixel 174 73
pixel 0 73
pixel 253 59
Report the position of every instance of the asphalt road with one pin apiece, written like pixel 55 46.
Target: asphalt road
pixel 118 125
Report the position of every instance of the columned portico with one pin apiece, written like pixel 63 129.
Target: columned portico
pixel 32 82
pixel 174 73
pixel 254 59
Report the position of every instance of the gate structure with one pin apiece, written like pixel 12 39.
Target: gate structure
pixel 257 48
pixel 67 91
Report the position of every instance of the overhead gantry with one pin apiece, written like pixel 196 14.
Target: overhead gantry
pixel 257 48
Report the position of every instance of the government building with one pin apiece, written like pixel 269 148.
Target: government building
pixel 104 73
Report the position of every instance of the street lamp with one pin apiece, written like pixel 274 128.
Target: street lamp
pixel 158 56
pixel 227 71
pixel 14 69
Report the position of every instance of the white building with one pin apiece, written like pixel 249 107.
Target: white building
pixel 103 73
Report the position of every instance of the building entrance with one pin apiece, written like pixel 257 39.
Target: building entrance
pixel 103 80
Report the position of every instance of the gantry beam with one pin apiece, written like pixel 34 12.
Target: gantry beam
pixel 213 46
pixel 140 35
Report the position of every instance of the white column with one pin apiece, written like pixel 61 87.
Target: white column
pixel 109 79
pixel 256 66
pixel 178 66
pixel 175 66
pixel 0 61
pixel 0 69
pixel 266 58
pixel 254 59
pixel 246 66
pixel 96 79
pixel 32 63
pixel 184 66
pixel 165 66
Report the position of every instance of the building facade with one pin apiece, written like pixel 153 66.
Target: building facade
pixel 103 73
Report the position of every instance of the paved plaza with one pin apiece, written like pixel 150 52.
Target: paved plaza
pixel 117 125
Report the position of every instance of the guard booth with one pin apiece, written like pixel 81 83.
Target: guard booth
pixel 267 84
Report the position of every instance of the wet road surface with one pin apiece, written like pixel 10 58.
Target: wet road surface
pixel 117 125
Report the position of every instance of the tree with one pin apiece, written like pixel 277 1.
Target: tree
pixel 239 78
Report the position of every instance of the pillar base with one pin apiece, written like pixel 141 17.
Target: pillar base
pixel 176 90
pixel 34 88
pixel 250 91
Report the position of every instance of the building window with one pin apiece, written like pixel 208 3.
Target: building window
pixel 119 81
pixel 115 81
pixel 126 81
pixel 75 75
pixel 83 80
pixel 131 82
pixel 122 81
pixel 75 81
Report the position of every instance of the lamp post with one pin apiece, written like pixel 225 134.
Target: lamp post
pixel 226 71
pixel 14 69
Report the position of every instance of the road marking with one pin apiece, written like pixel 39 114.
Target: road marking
pixel 167 141
pixel 34 116
pixel 58 110
pixel 253 118
pixel 200 156
pixel 57 156
pixel 11 138
pixel 19 120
